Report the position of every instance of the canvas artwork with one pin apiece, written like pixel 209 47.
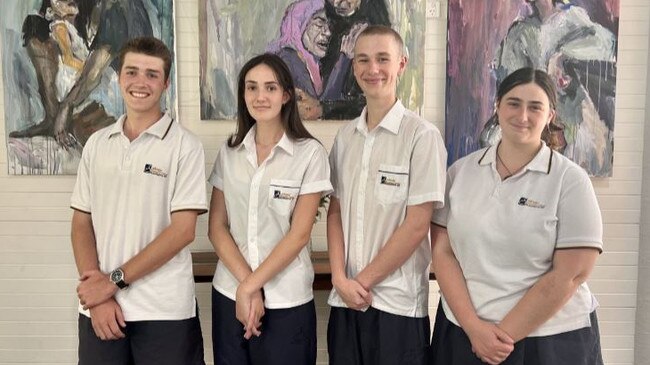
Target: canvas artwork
pixel 315 38
pixel 59 63
pixel 574 41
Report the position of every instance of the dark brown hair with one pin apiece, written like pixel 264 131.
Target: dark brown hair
pixel 149 46
pixel 289 117
pixel 552 134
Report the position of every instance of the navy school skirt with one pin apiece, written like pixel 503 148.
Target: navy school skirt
pixel 451 346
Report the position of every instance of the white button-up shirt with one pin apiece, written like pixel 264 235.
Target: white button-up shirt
pixel 376 175
pixel 260 201
pixel 131 188
pixel 504 233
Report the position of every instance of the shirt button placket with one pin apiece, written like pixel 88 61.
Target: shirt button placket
pixel 253 209
pixel 361 199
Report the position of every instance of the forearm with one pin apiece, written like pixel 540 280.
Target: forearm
pixel 84 246
pixel 63 40
pixel 451 281
pixel 399 247
pixel 538 305
pixel 282 255
pixel 290 245
pixel 228 253
pixel 335 241
pixel 163 248
pixel 570 268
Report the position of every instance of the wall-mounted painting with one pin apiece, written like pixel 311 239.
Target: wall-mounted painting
pixel 59 61
pixel 315 38
pixel 574 41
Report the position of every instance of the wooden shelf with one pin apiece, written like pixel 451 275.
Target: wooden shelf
pixel 205 262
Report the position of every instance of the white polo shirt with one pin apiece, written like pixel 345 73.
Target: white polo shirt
pixel 260 201
pixel 376 175
pixel 130 189
pixel 504 233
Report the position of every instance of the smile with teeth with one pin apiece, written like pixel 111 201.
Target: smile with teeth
pixel 139 94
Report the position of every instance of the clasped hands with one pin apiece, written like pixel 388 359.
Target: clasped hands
pixel 95 292
pixel 355 295
pixel 490 343
pixel 249 309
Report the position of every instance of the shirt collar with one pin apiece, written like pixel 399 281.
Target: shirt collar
pixel 249 142
pixel 541 162
pixel 391 122
pixel 158 129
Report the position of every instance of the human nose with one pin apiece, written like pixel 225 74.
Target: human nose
pixel 522 114
pixel 327 31
pixel 373 66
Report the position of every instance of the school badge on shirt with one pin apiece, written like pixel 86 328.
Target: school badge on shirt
pixel 150 169
pixel 527 202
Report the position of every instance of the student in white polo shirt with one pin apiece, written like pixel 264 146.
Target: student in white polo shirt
pixel 523 231
pixel 139 189
pixel 388 173
pixel 268 179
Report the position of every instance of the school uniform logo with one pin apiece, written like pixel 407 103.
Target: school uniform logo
pixel 277 194
pixel 530 203
pixel 387 180
pixel 150 169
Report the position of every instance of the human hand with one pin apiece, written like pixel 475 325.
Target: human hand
pixel 255 316
pixel 348 40
pixel 489 342
pixel 61 126
pixel 107 320
pixel 249 309
pixel 353 293
pixel 309 107
pixel 94 288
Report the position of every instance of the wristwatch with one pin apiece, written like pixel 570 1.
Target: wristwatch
pixel 117 277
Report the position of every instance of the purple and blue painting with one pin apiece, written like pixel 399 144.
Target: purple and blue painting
pixel 316 40
pixel 574 41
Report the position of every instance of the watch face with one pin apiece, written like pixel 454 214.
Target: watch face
pixel 117 275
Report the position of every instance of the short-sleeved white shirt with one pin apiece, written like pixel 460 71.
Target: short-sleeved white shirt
pixel 260 201
pixel 504 233
pixel 131 189
pixel 376 175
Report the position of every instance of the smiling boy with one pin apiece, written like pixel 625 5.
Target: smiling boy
pixel 388 173
pixel 139 189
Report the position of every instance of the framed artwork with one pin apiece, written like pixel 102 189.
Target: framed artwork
pixel 315 38
pixel 574 41
pixel 60 66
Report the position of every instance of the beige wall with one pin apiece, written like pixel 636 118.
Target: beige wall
pixel 37 273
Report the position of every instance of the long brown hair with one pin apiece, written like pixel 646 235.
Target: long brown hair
pixel 290 119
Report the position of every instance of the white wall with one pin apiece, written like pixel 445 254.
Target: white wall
pixel 37 273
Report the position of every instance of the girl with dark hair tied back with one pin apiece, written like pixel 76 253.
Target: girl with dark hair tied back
pixel 517 239
pixel 268 179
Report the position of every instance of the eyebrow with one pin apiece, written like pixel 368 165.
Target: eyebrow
pixel 134 68
pixel 383 54
pixel 266 83
pixel 514 98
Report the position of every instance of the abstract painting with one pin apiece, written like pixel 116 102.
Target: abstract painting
pixel 59 60
pixel 574 41
pixel 315 38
